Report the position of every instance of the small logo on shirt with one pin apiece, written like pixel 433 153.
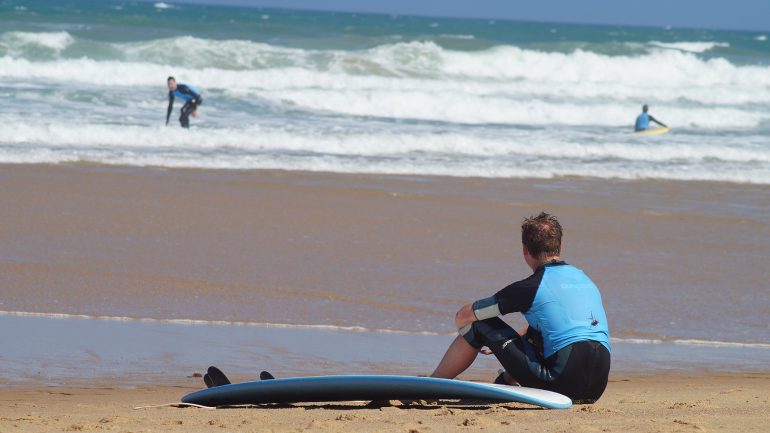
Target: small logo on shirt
pixel 594 322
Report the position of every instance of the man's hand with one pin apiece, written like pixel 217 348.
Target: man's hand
pixel 464 316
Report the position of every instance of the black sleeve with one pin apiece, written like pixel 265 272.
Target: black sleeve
pixel 657 121
pixel 170 106
pixel 519 295
pixel 186 90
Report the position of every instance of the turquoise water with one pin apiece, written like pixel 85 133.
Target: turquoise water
pixel 117 21
pixel 342 92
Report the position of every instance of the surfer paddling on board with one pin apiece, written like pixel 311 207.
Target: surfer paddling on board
pixel 643 120
pixel 566 346
pixel 192 100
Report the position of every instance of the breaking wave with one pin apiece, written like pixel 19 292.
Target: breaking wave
pixel 406 107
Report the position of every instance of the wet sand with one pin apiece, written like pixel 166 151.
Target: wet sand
pixel 675 261
pixel 672 259
pixel 137 352
pixel 716 403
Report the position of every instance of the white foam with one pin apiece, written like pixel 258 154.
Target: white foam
pixel 451 154
pixel 15 42
pixel 467 107
pixel 357 329
pixel 426 60
pixel 523 105
pixel 368 144
pixel 461 37
pixel 709 343
pixel 690 47
pixel 162 5
pixel 761 38
pixel 692 342
pixel 198 322
pixel 550 98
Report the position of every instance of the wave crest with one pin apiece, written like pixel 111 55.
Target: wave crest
pixel 423 81
pixel 35 45
pixel 690 47
pixel 356 329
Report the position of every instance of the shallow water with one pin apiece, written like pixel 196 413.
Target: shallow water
pixel 56 350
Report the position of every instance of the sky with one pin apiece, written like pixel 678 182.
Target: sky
pixel 753 15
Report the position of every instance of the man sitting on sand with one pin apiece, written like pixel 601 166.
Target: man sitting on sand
pixel 189 94
pixel 643 120
pixel 566 347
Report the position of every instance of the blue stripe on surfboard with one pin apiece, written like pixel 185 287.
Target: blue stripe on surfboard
pixel 349 388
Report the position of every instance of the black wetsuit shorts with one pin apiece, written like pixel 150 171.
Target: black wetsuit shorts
pixel 579 371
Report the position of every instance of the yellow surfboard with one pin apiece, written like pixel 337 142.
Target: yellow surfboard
pixel 653 131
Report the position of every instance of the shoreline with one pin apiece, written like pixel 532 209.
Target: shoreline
pixel 356 329
pixel 288 172
pixel 128 352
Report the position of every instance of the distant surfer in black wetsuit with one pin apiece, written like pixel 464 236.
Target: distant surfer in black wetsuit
pixel 192 100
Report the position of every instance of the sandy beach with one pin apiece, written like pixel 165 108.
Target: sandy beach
pixel 663 403
pixel 383 258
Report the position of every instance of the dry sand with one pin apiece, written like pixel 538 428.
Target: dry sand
pixel 654 403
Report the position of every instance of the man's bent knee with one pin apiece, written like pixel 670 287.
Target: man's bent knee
pixel 469 335
pixel 487 332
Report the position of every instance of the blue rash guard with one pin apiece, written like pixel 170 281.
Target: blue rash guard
pixel 642 122
pixel 184 91
pixel 559 301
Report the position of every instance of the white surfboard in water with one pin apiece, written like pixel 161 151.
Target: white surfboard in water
pixel 653 131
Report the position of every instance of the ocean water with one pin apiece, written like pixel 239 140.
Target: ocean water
pixel 85 81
